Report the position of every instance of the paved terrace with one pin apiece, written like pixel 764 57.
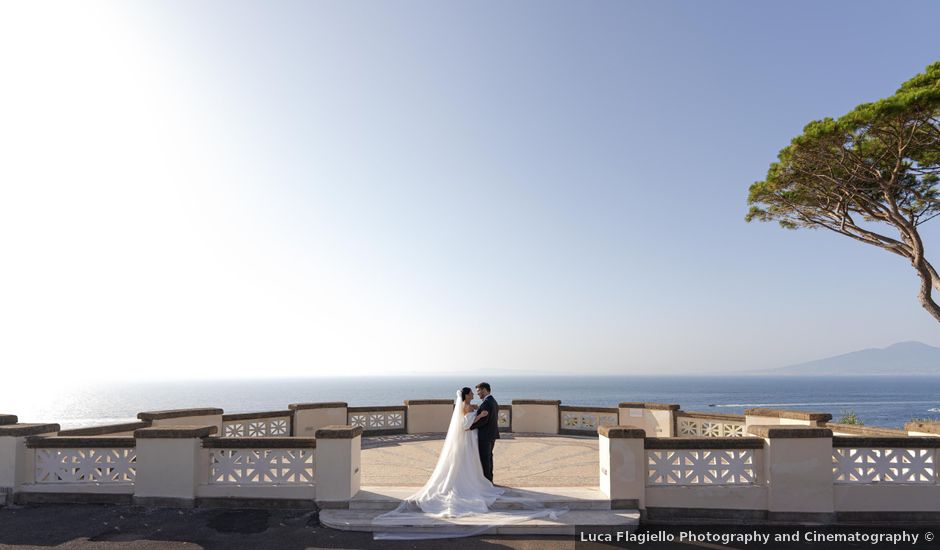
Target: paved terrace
pixel 521 460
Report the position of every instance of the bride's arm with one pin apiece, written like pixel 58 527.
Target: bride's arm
pixel 467 420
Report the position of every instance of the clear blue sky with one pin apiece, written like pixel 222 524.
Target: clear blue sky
pixel 265 188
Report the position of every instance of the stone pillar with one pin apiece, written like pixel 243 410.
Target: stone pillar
pixel 798 470
pixel 537 416
pixel 622 466
pixel 209 416
pixel 338 465
pixel 17 462
pixel 657 419
pixel 783 417
pixel 168 464
pixel 428 415
pixel 310 417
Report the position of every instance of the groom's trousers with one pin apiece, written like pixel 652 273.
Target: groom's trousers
pixel 486 457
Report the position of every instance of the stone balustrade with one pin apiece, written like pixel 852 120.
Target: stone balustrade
pixel 767 464
pixel 776 472
pixel 378 420
pixel 259 424
pixel 17 461
pixel 177 466
pixel 83 460
pixel 79 469
pixel 582 420
pixel 280 469
pixel 694 424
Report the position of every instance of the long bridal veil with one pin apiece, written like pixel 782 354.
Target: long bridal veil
pixel 457 501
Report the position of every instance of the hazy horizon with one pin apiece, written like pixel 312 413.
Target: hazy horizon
pixel 238 189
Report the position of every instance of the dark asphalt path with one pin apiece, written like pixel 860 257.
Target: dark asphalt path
pixel 94 527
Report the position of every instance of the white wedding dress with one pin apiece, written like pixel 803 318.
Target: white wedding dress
pixel 458 492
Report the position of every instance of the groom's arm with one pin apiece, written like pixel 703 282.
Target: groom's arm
pixel 481 421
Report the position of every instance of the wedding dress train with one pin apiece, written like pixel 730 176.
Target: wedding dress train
pixel 457 486
pixel 458 493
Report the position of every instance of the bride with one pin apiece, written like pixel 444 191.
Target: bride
pixel 457 490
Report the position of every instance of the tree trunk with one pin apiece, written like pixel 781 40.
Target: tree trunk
pixel 926 300
pixel 926 273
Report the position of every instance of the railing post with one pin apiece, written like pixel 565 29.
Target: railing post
pixel 206 416
pixel 17 463
pixel 622 466
pixel 537 416
pixel 338 464
pixel 427 415
pixel 310 417
pixel 798 472
pixel 658 419
pixel 784 417
pixel 168 464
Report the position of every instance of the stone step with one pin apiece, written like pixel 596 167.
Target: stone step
pixel 572 498
pixel 565 525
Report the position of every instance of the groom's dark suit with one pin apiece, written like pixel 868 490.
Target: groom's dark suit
pixel 487 429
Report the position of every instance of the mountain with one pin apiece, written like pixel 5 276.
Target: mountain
pixel 898 359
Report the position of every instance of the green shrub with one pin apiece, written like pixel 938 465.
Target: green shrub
pixel 849 417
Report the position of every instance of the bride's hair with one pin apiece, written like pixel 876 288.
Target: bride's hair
pixel 464 392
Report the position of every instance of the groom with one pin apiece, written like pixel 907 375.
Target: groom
pixel 487 428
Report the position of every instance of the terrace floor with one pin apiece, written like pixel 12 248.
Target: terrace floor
pixel 520 460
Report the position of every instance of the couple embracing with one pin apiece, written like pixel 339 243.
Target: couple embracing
pixel 461 488
pixel 485 422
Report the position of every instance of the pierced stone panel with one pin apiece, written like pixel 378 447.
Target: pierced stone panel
pixel 378 420
pixel 260 466
pixel 86 465
pixel 864 466
pixel 587 421
pixel 697 427
pixel 701 467
pixel 261 427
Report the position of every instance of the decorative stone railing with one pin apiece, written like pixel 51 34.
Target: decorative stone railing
pixel 695 461
pixel 884 460
pixel 792 473
pixel 791 469
pixel 378 420
pixel 101 460
pixel 693 424
pixel 258 424
pixel 581 420
pixel 260 460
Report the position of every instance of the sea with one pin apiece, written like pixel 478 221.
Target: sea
pixel 888 401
